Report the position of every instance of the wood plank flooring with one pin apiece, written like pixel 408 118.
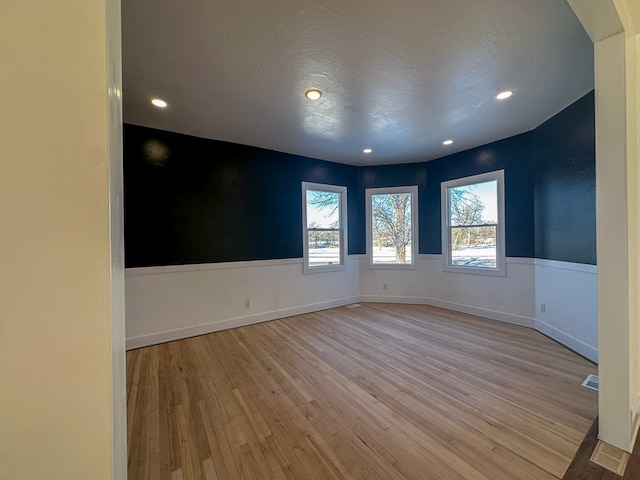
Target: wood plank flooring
pixel 376 392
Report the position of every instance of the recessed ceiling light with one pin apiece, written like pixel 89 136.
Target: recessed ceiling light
pixel 313 94
pixel 447 142
pixel 158 102
pixel 505 94
pixel 368 150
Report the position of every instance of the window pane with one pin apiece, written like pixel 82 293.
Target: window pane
pixel 391 228
pixel 323 209
pixel 474 204
pixel 324 248
pixel 473 246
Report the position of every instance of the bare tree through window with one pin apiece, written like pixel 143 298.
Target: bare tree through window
pixel 473 223
pixel 324 228
pixel 391 225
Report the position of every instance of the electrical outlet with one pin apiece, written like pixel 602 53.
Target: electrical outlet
pixel 543 308
pixel 384 286
pixel 247 303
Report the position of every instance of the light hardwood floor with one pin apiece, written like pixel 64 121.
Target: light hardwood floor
pixel 376 392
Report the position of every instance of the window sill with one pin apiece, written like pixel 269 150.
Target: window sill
pixel 325 269
pixel 500 272
pixel 391 266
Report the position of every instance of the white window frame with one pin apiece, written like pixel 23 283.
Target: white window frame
pixel 500 269
pixel 369 193
pixel 342 230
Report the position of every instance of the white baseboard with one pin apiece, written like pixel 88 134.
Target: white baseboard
pixel 173 302
pixel 481 312
pixel 195 330
pixel 567 340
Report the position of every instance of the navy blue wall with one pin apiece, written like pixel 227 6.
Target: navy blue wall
pixel 549 187
pixel 565 185
pixel 513 155
pixel 192 200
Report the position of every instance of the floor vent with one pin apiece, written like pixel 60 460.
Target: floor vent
pixel 354 305
pixel 610 457
pixel 591 382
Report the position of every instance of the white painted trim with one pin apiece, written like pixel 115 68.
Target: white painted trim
pixel 447 266
pixel 343 227
pixel 459 307
pixel 324 268
pixel 132 271
pixel 576 267
pixel 598 17
pixel 198 267
pixel 616 240
pixel 515 260
pixel 567 340
pixel 413 191
pixel 393 266
pixel 195 330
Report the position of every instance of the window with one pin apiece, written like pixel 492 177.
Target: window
pixel 392 226
pixel 473 223
pixel 324 212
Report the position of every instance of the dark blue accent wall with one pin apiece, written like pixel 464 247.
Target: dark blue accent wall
pixel 565 185
pixel 192 200
pixel 514 155
pixel 393 176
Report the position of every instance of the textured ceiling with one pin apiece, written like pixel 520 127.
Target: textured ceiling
pixel 397 76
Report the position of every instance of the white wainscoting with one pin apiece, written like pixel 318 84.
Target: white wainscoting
pixel 569 293
pixel 509 298
pixel 173 302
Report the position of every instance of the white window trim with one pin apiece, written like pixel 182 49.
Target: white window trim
pixel 413 190
pixel 500 269
pixel 343 227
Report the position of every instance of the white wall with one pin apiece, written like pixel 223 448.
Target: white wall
pixel 568 293
pixel 167 303
pixel 509 298
pixel 61 318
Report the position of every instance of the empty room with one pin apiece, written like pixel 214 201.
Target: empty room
pixel 360 239
pixel 317 239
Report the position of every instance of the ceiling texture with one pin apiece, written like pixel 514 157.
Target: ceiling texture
pixel 397 76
